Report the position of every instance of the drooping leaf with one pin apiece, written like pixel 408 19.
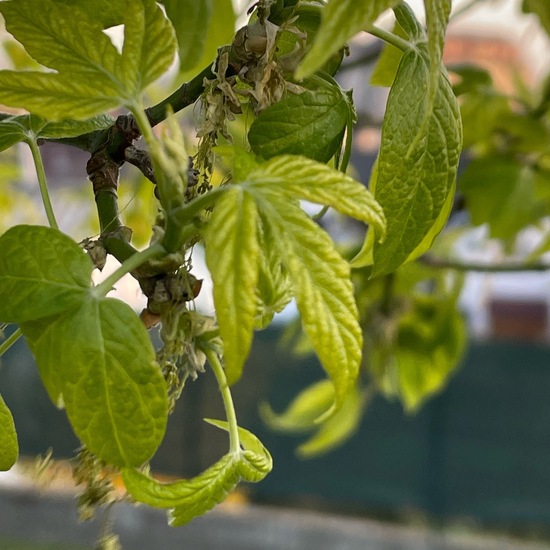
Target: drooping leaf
pixel 321 286
pixel 31 128
pixel 311 124
pixel 541 8
pixel 337 429
pixel 190 19
pixel 109 12
pixel 219 32
pixel 232 256
pixel 255 460
pixel 187 498
pixel 500 191
pixel 342 19
pixel 100 359
pixel 193 497
pixel 302 412
pixel 9 447
pixel 91 75
pixel 413 186
pixel 42 273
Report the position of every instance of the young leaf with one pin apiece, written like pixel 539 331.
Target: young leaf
pixel 311 124
pixel 220 31
pixel 424 364
pixel 255 460
pixel 413 186
pixel 303 179
pixel 100 358
pixel 232 256
pixel 193 497
pixel 190 19
pixel 187 498
pixel 500 191
pixel 273 292
pixel 9 448
pixel 42 273
pixel 31 127
pixel 342 19
pixel 303 410
pixel 321 286
pixel 337 429
pixel 91 75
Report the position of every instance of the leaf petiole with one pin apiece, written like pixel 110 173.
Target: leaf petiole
pixel 215 363
pixel 132 263
pixel 41 174
pixel 9 341
pixel 390 38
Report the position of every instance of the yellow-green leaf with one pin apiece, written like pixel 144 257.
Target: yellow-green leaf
pixel 232 256
pixel 9 447
pixel 342 19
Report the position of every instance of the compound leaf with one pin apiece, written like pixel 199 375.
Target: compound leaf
pixel 321 285
pixel 342 19
pixel 91 75
pixel 101 361
pixel 9 447
pixel 304 179
pixel 232 256
pixel 43 272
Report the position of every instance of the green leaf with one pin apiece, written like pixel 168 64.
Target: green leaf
pixel 109 12
pixel 541 8
pixel 52 96
pixel 219 32
pixel 255 460
pixel 99 357
pixel 413 185
pixel 149 46
pixel 321 286
pixel 311 123
pixel 188 498
pixel 437 17
pixel 342 19
pixel 42 273
pixel 302 412
pixel 232 256
pixel 500 191
pixel 337 429
pixel 304 179
pixel 274 291
pixel 9 448
pixel 91 75
pixel 190 19
pixel 425 362
pixel 194 497
pixel 31 128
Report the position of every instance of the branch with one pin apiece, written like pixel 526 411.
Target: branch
pixel 510 267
